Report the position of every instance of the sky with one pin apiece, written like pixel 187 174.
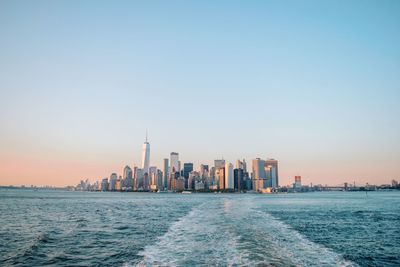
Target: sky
pixel 314 84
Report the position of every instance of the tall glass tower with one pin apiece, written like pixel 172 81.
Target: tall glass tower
pixel 174 163
pixel 146 156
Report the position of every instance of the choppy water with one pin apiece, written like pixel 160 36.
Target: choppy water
pixel 122 229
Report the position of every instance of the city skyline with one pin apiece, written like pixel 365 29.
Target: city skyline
pixel 313 84
pixel 181 176
pixel 145 167
pixel 220 177
pixel 200 133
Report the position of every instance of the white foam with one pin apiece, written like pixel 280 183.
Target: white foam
pixel 230 232
pixel 286 243
pixel 199 238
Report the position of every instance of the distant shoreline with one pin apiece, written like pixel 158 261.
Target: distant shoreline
pixel 66 189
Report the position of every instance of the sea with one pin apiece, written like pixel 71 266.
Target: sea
pixel 61 228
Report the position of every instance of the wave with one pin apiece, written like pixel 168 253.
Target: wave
pixel 286 246
pixel 195 239
pixel 232 232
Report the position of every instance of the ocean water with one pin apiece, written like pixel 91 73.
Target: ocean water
pixel 39 228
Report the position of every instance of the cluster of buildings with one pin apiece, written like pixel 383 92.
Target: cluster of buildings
pixel 221 176
pixel 175 176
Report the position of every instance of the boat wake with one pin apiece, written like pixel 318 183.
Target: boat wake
pixel 232 232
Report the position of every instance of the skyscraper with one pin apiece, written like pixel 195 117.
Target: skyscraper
pixel 128 177
pixel 238 164
pixel 138 179
pixel 229 183
pixel 265 174
pixel 220 177
pixel 274 177
pixel 219 163
pixel 187 168
pixel 205 175
pixel 165 173
pixel 145 156
pixel 238 179
pixel 113 181
pixel 104 184
pixel 127 172
pixel 172 180
pixel 118 184
pixel 193 178
pixel 152 169
pixel 160 180
pixel 135 180
pixel 258 174
pixel 297 182
pixel 244 165
pixel 203 169
pixel 212 181
pixel 146 181
pixel 274 164
pixel 267 181
pixel 174 162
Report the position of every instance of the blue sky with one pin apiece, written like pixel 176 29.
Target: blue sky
pixel 315 84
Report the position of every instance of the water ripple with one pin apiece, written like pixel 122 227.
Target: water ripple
pixel 112 229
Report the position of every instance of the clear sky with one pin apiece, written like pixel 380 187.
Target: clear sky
pixel 314 84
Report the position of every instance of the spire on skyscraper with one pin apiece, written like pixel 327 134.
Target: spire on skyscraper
pixel 146 155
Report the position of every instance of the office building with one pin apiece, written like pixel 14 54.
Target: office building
pixel 134 172
pixel 146 156
pixel 113 181
pixel 118 184
pixel 193 177
pixel 229 183
pixel 180 184
pixel 160 180
pixel 238 179
pixel 274 177
pixel 199 185
pixel 152 169
pixel 139 179
pixel 127 172
pixel 212 174
pixel 219 163
pixel 127 178
pixel 146 181
pixel 274 164
pixel 174 162
pixel 153 178
pixel 244 165
pixel 247 182
pixel 172 180
pixel 104 184
pixel 238 164
pixel 203 169
pixel 297 182
pixel 259 175
pixel 165 173
pixel 220 177
pixel 187 168
pixel 265 174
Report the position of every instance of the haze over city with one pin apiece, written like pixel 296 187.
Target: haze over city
pixel 312 84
